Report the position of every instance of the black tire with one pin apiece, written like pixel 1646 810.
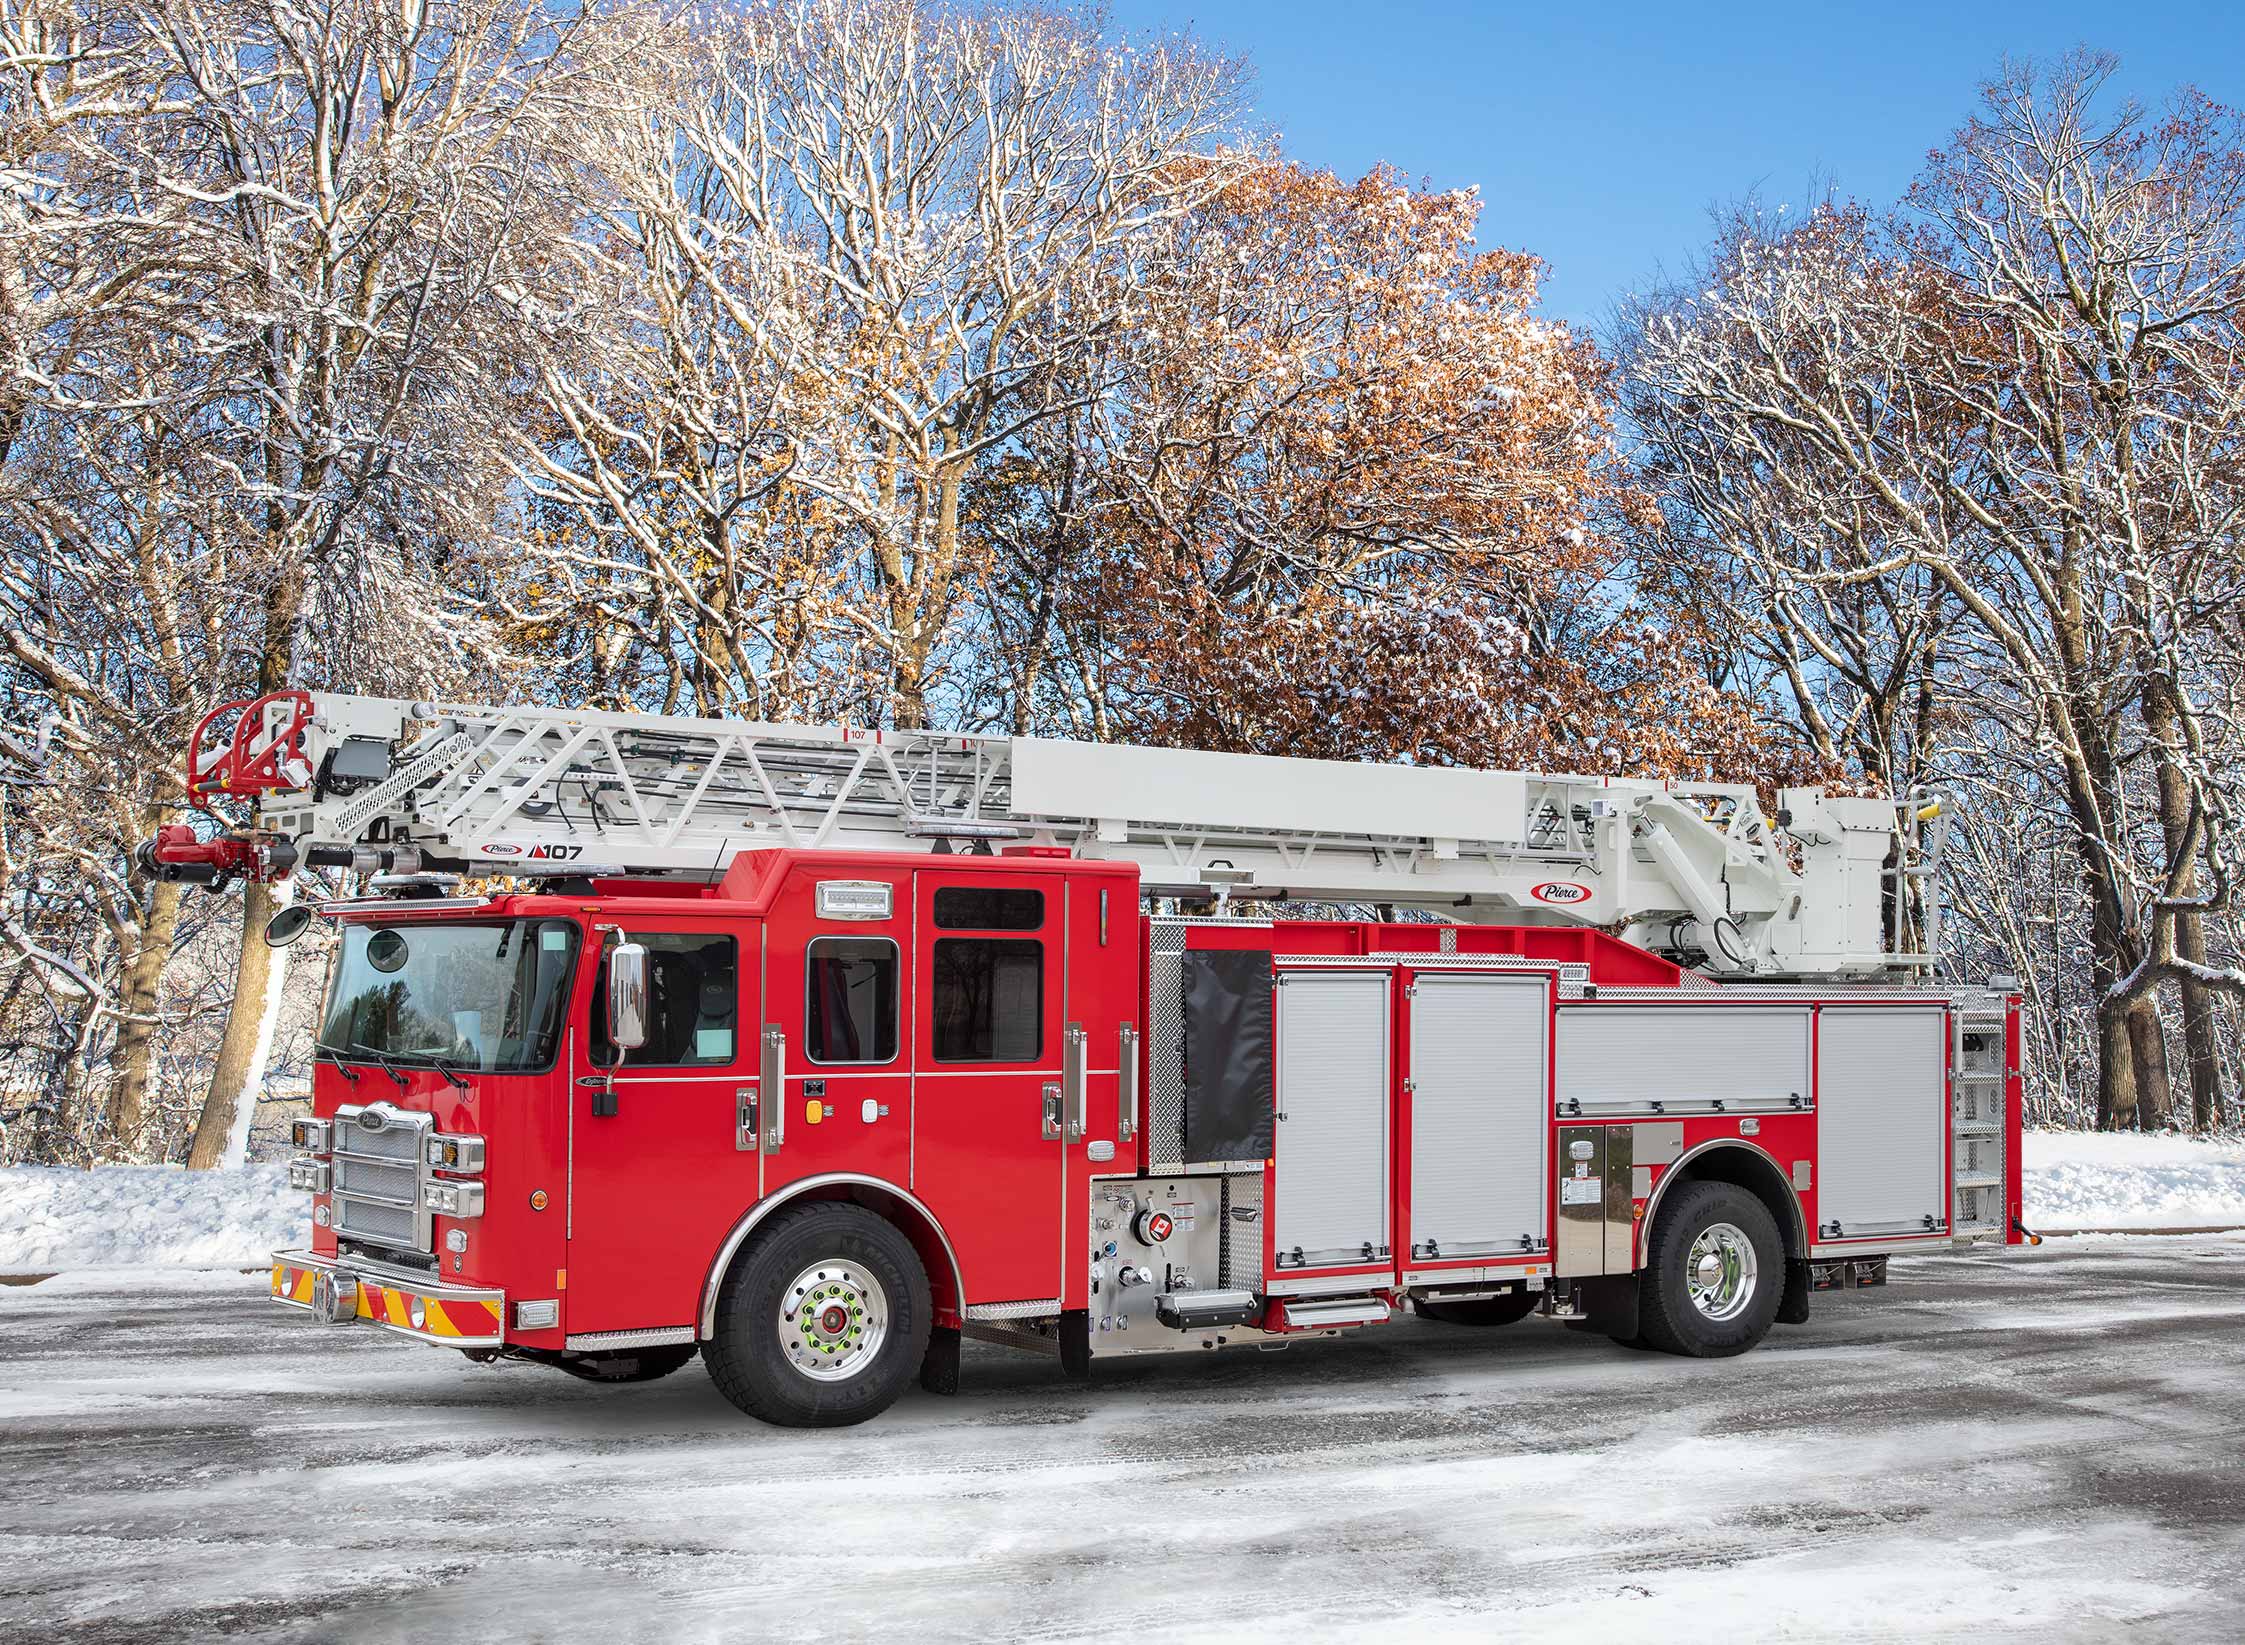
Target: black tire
pixel 1740 1310
pixel 869 1280
pixel 1482 1311
pixel 628 1365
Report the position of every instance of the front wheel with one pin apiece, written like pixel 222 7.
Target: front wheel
pixel 823 1321
pixel 1714 1273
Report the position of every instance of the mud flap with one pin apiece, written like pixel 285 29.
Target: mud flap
pixel 939 1369
pixel 1793 1309
pixel 1609 1306
pixel 1075 1344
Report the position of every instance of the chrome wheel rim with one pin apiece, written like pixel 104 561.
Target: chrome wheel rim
pixel 1720 1271
pixel 833 1318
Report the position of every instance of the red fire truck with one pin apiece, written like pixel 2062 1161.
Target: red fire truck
pixel 812 1051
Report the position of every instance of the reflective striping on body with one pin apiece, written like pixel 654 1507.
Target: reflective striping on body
pixel 388 1305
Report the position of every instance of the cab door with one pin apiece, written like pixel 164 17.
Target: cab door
pixel 990 975
pixel 662 1167
pixel 839 1018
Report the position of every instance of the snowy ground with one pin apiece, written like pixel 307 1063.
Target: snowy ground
pixel 2034 1445
pixel 124 1215
pixel 2081 1179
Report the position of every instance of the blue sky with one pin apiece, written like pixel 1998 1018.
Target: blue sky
pixel 1599 136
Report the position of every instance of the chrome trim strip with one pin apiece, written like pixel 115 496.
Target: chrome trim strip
pixel 659 1336
pixel 1873 1244
pixel 793 1192
pixel 1035 1308
pixel 1660 1108
pixel 1667 1176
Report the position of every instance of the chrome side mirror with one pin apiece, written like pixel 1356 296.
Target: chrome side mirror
pixel 627 996
pixel 289 924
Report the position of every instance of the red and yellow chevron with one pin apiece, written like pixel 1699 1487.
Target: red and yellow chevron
pixel 441 1319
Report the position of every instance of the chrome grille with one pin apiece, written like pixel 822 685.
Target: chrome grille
pixel 379 1176
pixel 384 1179
pixel 399 1139
pixel 384 1224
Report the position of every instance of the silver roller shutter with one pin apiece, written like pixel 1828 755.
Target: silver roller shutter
pixel 1331 1171
pixel 1480 1122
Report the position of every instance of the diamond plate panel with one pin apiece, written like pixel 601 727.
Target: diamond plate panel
pixel 1165 1009
pixel 1242 1259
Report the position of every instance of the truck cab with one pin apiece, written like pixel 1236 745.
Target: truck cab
pixel 938 1038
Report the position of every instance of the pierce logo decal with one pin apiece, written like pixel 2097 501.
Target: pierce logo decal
pixel 1561 891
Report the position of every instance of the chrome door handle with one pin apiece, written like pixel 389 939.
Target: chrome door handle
pixel 1126 1085
pixel 774 1084
pixel 1052 1113
pixel 1074 1080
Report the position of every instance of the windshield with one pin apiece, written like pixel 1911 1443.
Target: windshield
pixel 487 998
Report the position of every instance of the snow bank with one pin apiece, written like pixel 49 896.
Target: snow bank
pixel 118 1216
pixel 2088 1179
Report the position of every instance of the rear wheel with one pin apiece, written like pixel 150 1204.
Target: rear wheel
pixel 1714 1273
pixel 1484 1311
pixel 823 1321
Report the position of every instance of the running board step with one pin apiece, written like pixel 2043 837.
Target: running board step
pixel 1204 1310
pixel 1325 1313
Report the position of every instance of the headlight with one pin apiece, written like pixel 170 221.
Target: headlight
pixel 311 1175
pixel 462 1154
pixel 456 1199
pixel 310 1135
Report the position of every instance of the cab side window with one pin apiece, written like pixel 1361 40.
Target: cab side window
pixel 849 999
pixel 693 1003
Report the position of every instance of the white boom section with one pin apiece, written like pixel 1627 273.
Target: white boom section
pixel 1690 869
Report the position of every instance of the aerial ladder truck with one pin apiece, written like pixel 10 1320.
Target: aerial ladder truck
pixel 814 1050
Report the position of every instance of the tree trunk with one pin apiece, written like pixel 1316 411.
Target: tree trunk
pixel 2147 1044
pixel 2201 1039
pixel 133 1061
pixel 222 1129
pixel 222 1132
pixel 2202 1043
pixel 2116 1074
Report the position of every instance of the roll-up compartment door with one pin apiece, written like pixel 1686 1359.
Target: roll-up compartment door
pixel 1330 1162
pixel 1480 1116
pixel 1881 1120
pixel 1622 1058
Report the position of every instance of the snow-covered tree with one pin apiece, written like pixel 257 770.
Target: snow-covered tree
pixel 262 326
pixel 2014 410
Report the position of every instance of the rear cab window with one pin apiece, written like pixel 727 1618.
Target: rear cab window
pixel 987 991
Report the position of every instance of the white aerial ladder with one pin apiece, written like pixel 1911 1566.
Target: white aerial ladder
pixel 1695 871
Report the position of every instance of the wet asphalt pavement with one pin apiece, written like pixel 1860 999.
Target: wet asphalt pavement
pixel 2044 1445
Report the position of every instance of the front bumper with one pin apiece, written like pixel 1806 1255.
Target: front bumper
pixel 396 1299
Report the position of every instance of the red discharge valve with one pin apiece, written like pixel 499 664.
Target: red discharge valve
pixel 1152 1227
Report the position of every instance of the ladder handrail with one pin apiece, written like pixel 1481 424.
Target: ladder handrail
pixel 1677 864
